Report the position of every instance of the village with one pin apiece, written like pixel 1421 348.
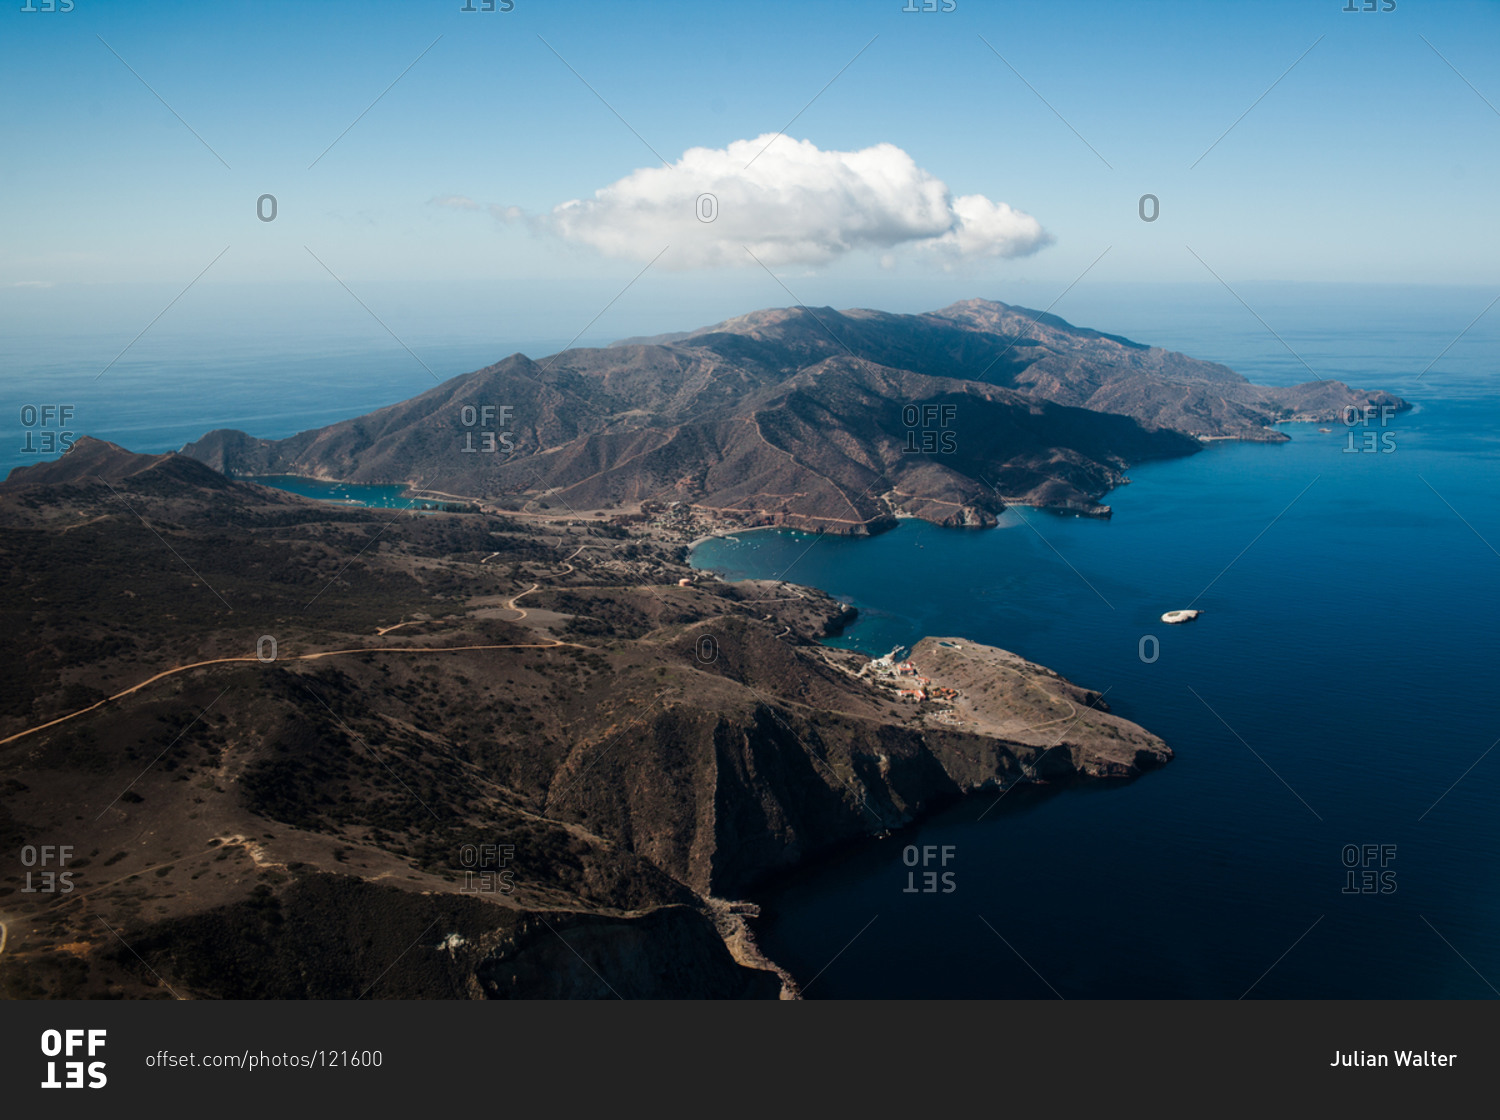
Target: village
pixel 684 521
pixel 898 673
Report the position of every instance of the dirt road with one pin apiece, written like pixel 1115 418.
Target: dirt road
pixel 302 657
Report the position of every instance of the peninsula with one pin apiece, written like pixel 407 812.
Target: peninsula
pixel 290 743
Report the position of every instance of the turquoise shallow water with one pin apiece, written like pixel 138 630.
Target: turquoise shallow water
pixel 344 493
pixel 1339 689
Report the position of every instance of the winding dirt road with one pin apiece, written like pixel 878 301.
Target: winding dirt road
pixel 301 657
pixel 520 614
pixel 511 606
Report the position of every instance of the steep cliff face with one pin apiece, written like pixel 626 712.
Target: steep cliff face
pixel 669 953
pixel 777 752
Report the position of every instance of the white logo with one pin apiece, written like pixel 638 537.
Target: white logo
pixel 66 1044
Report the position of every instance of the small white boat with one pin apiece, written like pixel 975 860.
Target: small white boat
pixel 1175 617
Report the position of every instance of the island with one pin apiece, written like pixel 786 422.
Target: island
pixel 830 421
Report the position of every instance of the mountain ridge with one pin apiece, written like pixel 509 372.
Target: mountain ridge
pixel 837 421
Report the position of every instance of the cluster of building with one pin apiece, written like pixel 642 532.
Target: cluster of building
pixel 906 678
pixel 682 519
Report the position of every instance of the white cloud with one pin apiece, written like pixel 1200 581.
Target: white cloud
pixel 992 229
pixel 793 204
pixel 453 202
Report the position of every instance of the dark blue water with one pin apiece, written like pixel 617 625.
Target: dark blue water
pixel 1341 680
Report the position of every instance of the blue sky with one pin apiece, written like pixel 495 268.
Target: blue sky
pixel 1370 161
